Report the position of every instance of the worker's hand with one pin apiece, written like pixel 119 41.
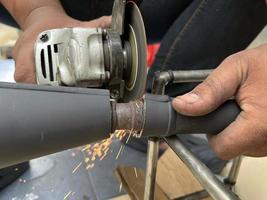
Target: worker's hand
pixel 39 21
pixel 244 76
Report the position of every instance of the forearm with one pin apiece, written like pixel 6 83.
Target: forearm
pixel 22 10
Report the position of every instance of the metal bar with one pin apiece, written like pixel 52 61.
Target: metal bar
pixel 202 173
pixel 151 170
pixel 190 76
pixel 234 171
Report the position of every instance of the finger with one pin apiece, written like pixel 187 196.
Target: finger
pixel 238 138
pixel 221 85
pixel 25 71
pixel 17 47
pixel 102 22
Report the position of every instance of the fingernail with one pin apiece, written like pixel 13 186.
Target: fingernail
pixel 188 98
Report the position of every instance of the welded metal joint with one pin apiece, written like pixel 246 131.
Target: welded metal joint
pixel 161 80
pixel 129 116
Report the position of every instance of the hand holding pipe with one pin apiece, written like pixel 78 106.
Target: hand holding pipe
pixel 41 120
pixel 157 118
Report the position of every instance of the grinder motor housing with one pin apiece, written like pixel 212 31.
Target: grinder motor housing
pixel 112 58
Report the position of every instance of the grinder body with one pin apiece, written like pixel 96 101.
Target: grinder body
pixel 110 58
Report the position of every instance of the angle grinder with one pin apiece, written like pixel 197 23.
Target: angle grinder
pixel 40 120
pixel 112 58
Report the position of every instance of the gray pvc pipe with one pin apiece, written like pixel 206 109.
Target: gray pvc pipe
pixel 40 120
pixel 37 121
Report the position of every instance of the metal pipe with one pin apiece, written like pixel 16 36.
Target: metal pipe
pixel 160 80
pixel 151 170
pixel 190 76
pixel 128 116
pixel 234 171
pixel 206 178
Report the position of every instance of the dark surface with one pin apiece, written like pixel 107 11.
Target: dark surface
pixel 51 178
pixel 10 174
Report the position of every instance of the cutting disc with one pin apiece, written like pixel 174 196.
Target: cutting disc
pixel 135 83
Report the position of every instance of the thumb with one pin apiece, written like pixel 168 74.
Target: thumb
pixel 221 85
pixel 102 22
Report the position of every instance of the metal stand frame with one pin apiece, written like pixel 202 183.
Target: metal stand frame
pixel 233 173
pixel 207 179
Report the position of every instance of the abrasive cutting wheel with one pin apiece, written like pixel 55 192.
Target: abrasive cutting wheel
pixel 134 33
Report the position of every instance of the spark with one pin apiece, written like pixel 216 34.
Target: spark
pixel 120 187
pixel 77 167
pixel 138 134
pixel 86 147
pixel 99 151
pixel 120 151
pixel 67 195
pixel 129 136
pixel 90 166
pixel 73 154
pixel 135 171
pixel 141 132
pixel 137 105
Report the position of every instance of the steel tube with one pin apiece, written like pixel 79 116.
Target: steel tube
pixel 234 171
pixel 151 170
pixel 190 76
pixel 206 178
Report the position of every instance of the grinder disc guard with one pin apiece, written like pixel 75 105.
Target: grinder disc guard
pixel 136 72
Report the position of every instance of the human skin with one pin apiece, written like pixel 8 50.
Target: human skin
pixel 242 76
pixel 34 17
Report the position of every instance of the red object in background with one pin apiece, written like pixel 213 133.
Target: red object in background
pixel 152 50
